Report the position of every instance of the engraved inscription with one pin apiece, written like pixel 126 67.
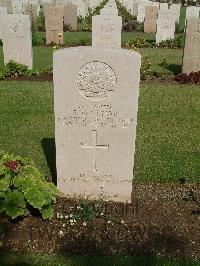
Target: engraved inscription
pixel 15 25
pixel 107 25
pixel 96 81
pixel 97 116
pixel 95 147
pixel 109 179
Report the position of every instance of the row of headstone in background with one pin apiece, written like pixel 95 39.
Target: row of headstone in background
pixel 96 114
pixel 17 39
pixel 191 57
pixel 107 27
pixel 19 6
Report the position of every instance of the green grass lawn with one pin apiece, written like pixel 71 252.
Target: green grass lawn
pixel 43 59
pixel 168 139
pixel 72 38
pixel 8 259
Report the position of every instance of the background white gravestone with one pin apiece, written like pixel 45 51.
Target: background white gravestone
pixel 176 9
pixel 17 39
pixel 165 30
pixel 96 100
pixel 163 6
pixel 141 11
pixel 17 7
pixel 192 12
pixel 191 58
pixel 3 11
pixel 106 31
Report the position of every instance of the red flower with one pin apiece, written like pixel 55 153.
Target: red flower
pixel 13 165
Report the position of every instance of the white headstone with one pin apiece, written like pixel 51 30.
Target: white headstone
pixel 165 30
pixel 3 11
pixel 163 6
pixel 17 39
pixel 17 7
pixel 96 101
pixel 192 12
pixel 106 31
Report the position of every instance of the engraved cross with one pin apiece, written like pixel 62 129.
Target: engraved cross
pixel 95 147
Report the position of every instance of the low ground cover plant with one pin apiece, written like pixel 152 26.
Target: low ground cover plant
pixel 193 77
pixel 23 188
pixel 14 70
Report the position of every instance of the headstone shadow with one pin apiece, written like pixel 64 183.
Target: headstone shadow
pixel 49 148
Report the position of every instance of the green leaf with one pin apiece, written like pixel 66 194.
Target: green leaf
pixel 22 182
pixel 47 212
pixel 5 182
pixel 14 203
pixel 30 171
pixel 35 197
pixel 2 206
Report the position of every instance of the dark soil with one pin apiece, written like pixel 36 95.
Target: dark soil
pixel 163 220
pixel 46 76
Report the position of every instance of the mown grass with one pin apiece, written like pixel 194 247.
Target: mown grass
pixel 85 38
pixel 43 59
pixel 8 259
pixel 168 139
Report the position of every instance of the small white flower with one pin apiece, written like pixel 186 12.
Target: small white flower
pixel 58 215
pixel 122 221
pixel 61 216
pixel 71 215
pixel 109 222
pixel 71 221
pixel 61 233
pixel 66 216
pixel 84 224
pixel 71 208
pixel 102 214
pixel 64 225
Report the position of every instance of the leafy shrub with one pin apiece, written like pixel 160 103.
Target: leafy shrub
pixel 177 42
pixel 85 24
pixel 138 42
pixel 67 27
pixel 41 21
pixel 164 63
pixel 34 39
pixel 140 27
pixel 124 13
pixel 193 77
pixel 23 187
pixel 145 71
pixel 178 28
pixel 165 68
pixel 130 26
pixel 13 70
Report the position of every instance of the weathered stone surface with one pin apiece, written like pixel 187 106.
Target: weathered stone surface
pixel 163 6
pixel 175 9
pixel 54 25
pixel 192 12
pixel 96 101
pixel 17 40
pixel 106 31
pixel 31 10
pixel 70 16
pixel 3 11
pixel 165 30
pixel 151 13
pixel 17 7
pixel 191 58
